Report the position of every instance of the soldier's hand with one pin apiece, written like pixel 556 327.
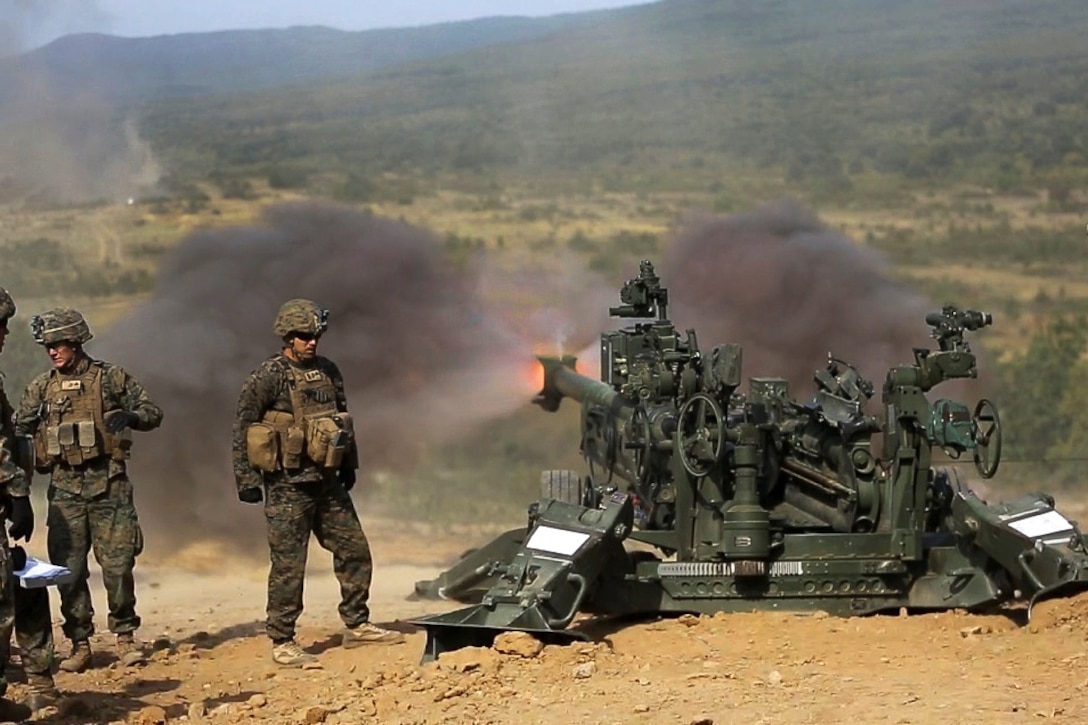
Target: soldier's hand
pixel 250 495
pixel 22 518
pixel 347 478
pixel 118 420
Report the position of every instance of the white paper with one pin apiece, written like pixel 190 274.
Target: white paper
pixel 38 573
pixel 556 541
pixel 1043 524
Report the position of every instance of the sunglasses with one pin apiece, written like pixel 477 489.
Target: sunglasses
pixel 306 336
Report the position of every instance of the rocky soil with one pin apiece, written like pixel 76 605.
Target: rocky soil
pixel 211 662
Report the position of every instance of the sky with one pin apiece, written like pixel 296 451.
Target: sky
pixel 35 22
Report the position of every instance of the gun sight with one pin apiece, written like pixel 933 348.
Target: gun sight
pixel 951 319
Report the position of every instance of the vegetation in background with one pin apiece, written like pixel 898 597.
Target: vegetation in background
pixel 948 136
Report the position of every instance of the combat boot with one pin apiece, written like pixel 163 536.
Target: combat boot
pixel 367 633
pixel 79 658
pixel 289 654
pixel 43 692
pixel 130 652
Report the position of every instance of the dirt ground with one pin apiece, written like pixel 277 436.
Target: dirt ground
pixel 212 665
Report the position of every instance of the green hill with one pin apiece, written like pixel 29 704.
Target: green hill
pixel 820 92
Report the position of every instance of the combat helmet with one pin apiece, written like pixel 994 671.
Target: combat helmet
pixel 7 305
pixel 60 324
pixel 301 316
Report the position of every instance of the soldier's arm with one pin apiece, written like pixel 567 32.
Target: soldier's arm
pixel 12 477
pixel 258 394
pixel 351 460
pixel 135 399
pixel 28 416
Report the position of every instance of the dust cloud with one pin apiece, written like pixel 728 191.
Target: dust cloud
pixel 62 142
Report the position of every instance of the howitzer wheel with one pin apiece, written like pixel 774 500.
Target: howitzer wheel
pixel 642 443
pixel 700 434
pixel 987 429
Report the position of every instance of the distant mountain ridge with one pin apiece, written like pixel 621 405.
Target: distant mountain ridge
pixel 122 70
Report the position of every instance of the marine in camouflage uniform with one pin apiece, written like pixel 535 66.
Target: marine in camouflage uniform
pixel 26 609
pixel 294 448
pixel 80 414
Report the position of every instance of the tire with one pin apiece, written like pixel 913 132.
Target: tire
pixel 562 485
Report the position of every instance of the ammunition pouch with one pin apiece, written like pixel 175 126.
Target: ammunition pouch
pixel 276 441
pixel 262 446
pixel 328 440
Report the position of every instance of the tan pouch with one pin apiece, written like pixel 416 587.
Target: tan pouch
pixel 325 442
pixel 66 436
pixel 51 441
pixel 294 445
pixel 43 460
pixel 85 433
pixel 262 445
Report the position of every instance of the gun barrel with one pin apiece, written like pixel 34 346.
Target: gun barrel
pixel 561 380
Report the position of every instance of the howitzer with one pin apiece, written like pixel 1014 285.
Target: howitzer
pixel 755 500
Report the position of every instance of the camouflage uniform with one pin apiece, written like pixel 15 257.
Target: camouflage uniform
pixel 90 502
pixel 26 609
pixel 30 608
pixel 304 498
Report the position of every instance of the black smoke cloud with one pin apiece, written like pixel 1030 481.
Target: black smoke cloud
pixel 432 353
pixel 791 290
pixel 428 351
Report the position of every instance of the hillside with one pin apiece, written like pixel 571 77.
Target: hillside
pixel 123 70
pixel 824 95
pixel 946 136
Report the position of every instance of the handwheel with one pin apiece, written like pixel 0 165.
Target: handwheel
pixel 700 434
pixel 642 443
pixel 986 425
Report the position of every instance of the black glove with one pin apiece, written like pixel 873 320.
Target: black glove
pixel 118 420
pixel 250 495
pixel 22 518
pixel 347 478
pixel 18 558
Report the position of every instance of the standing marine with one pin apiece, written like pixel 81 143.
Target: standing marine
pixel 27 610
pixel 294 448
pixel 80 415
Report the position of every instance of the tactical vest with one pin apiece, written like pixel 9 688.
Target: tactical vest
pixel 316 429
pixel 72 430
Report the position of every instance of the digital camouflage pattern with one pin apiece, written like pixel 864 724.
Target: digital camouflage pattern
pixel 25 610
pixel 7 305
pixel 12 478
pixel 120 391
pixel 309 500
pixel 91 506
pixel 269 388
pixel 107 524
pixel 300 316
pixel 293 511
pixel 60 324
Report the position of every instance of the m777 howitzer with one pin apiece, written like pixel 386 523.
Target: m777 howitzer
pixel 751 500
